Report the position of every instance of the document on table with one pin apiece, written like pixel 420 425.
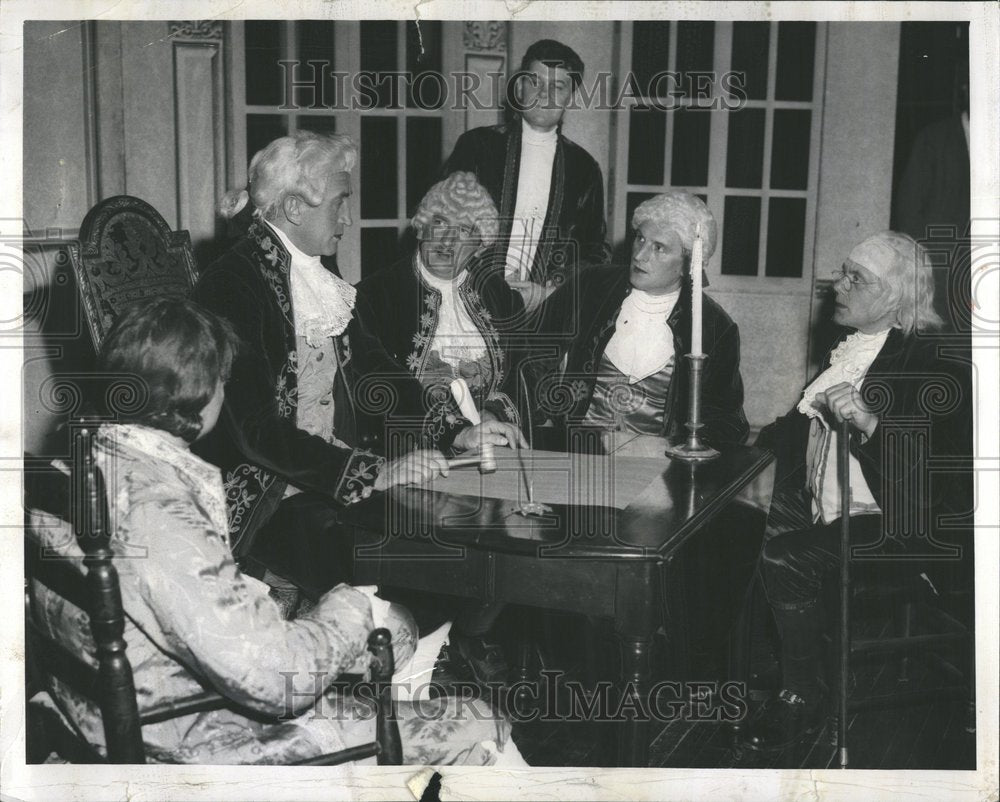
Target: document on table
pixel 558 478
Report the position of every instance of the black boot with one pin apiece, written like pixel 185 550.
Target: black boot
pixel 797 710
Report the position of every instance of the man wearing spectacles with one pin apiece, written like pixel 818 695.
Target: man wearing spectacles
pixel 905 404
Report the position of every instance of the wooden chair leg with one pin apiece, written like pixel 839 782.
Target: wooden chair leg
pixel 386 727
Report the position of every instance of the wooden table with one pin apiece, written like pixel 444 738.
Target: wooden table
pixel 627 565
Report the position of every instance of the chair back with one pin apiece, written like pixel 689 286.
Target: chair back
pixel 128 253
pixel 95 592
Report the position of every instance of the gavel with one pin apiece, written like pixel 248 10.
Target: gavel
pixel 485 459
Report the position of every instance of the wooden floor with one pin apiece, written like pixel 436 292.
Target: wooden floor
pixel 931 735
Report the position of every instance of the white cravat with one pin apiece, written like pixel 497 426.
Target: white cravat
pixel 456 337
pixel 643 343
pixel 849 363
pixel 534 179
pixel 322 303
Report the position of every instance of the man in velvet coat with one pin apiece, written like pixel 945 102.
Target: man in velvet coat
pixel 907 401
pixel 549 190
pixel 621 337
pixel 443 311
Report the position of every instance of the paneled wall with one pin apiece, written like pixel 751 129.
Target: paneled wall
pixel 110 108
pixel 124 108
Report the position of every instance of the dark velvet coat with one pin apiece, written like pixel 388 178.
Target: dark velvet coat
pixel 580 317
pixel 398 306
pixel 575 230
pixel 917 463
pixel 256 443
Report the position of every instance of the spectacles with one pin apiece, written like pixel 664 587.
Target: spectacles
pixel 853 279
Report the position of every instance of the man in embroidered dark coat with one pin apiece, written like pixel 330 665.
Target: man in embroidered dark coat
pixel 549 190
pixel 311 386
pixel 622 337
pixel 444 314
pixel 908 406
pixel 445 318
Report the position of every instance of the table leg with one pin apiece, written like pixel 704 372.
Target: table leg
pixel 633 744
pixel 638 611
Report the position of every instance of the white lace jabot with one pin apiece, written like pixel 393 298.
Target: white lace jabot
pixel 848 363
pixel 322 303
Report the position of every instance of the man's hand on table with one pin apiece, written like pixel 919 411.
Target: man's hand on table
pixel 413 469
pixel 418 467
pixel 494 432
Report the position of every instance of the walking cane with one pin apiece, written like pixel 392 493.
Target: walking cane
pixel 844 476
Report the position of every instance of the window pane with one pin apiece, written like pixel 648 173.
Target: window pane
pixel 320 123
pixel 796 54
pixel 689 165
pixel 790 149
pixel 745 151
pixel 378 167
pixel 750 42
pixel 425 84
pixel 378 55
pixel 423 155
pixel 647 135
pixel 378 249
pixel 741 236
pixel 314 42
pixel 261 129
pixel 786 236
pixel 650 52
pixel 263 75
pixel 695 51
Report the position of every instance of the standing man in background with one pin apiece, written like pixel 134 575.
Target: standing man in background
pixel 549 190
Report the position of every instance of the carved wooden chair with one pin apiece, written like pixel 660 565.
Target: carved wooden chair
pixel 96 591
pixel 128 253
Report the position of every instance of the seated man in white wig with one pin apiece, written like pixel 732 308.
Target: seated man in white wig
pixel 444 313
pixel 301 429
pixel 623 335
pixel 905 405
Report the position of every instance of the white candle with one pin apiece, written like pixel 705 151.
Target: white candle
pixel 696 268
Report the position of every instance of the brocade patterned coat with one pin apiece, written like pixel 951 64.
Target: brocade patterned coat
pixel 193 621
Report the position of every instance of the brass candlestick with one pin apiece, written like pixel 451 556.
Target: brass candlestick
pixel 692 449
